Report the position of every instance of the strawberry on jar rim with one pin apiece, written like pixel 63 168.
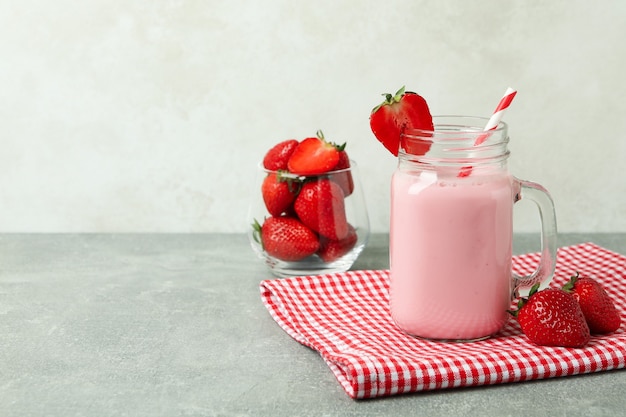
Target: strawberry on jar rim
pixel 397 113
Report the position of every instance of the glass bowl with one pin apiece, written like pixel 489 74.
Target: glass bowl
pixel 307 225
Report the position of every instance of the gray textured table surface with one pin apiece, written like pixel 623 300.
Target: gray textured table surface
pixel 173 325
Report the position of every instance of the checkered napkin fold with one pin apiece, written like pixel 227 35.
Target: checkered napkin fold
pixel 345 317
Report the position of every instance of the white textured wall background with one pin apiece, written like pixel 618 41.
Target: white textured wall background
pixel 145 115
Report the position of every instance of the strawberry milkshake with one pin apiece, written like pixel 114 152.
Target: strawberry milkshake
pixel 451 233
pixel 450 247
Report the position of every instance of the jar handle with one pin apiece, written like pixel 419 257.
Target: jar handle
pixel 547 263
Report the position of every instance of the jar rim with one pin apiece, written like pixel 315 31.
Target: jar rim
pixel 455 139
pixel 456 125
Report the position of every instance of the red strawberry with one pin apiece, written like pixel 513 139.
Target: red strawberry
pixel 320 205
pixel 599 310
pixel 279 193
pixel 404 110
pixel 286 238
pixel 344 179
pixel 276 158
pixel 552 317
pixel 314 156
pixel 331 250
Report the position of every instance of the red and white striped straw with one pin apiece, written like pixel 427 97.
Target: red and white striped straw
pixel 493 122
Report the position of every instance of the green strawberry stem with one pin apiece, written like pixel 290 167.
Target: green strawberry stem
pixel 320 136
pixel 256 233
pixel 569 286
pixel 294 182
pixel 523 300
pixel 391 99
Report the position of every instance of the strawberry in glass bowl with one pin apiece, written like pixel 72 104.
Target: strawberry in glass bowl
pixel 307 213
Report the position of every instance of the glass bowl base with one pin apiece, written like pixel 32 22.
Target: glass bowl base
pixel 312 265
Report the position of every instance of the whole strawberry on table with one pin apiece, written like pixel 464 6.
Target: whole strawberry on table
pixel 304 191
pixel 567 316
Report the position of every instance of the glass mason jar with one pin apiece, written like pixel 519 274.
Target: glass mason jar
pixel 451 231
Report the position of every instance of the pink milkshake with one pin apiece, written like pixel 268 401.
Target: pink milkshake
pixel 450 248
pixel 451 233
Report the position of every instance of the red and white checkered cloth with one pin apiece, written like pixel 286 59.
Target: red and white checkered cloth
pixel 345 317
